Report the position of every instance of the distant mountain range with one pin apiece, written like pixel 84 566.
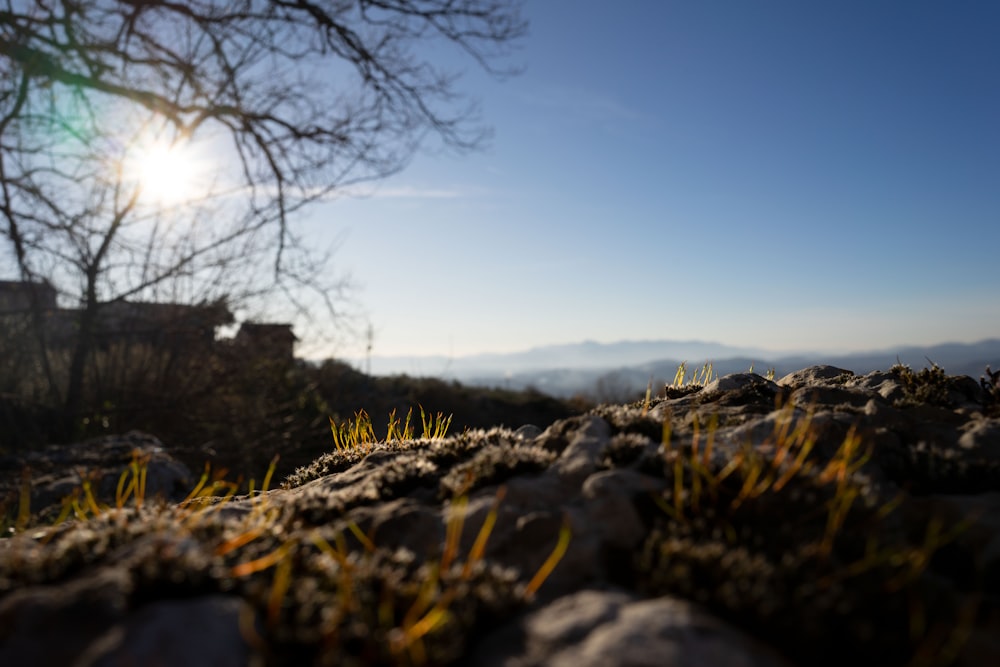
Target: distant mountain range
pixel 623 368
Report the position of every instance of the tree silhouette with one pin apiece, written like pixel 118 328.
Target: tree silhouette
pixel 290 100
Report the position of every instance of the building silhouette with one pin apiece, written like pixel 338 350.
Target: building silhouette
pixel 172 326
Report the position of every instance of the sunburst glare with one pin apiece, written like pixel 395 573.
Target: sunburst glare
pixel 168 174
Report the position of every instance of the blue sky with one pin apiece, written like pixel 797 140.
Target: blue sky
pixel 776 174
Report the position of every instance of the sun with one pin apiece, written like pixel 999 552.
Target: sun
pixel 166 174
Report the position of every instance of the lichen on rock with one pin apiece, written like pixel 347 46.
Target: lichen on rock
pixel 821 518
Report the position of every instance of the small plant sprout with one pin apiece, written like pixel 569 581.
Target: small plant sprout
pixel 262 563
pixel 791 445
pixel 340 554
pixel 267 478
pixel 132 481
pixel 204 497
pixel 453 530
pixel 429 610
pixel 679 375
pixel 82 502
pixel 422 618
pixel 479 546
pixel 699 378
pixel 240 540
pixel 91 501
pixel 280 585
pixel 769 375
pixel 435 427
pixel 909 561
pixel 197 490
pixel 667 431
pixel 260 511
pixel 358 434
pixel 365 540
pixel 395 431
pixel 565 535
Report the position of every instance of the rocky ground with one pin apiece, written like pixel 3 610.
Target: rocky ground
pixel 822 518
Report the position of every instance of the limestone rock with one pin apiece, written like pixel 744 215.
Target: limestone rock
pixel 814 375
pixel 201 632
pixel 593 628
pixel 821 519
pixel 56 471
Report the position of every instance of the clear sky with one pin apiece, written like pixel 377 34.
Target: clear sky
pixel 778 174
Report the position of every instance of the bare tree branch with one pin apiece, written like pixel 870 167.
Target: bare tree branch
pixel 296 97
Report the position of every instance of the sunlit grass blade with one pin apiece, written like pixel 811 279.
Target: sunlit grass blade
pixel 279 587
pixel 453 531
pixel 679 375
pixel 565 535
pixel 239 541
pixel 270 473
pixel 262 563
pixel 479 546
pixel 199 486
pixel 365 541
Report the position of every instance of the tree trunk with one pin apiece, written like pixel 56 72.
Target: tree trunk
pixel 82 349
pixel 39 325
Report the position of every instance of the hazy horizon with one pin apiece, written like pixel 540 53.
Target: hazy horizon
pixel 409 363
pixel 771 350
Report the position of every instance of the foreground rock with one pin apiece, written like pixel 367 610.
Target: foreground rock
pixel 59 471
pixel 822 518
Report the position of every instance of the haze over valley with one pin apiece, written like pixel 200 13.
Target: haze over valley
pixel 591 367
